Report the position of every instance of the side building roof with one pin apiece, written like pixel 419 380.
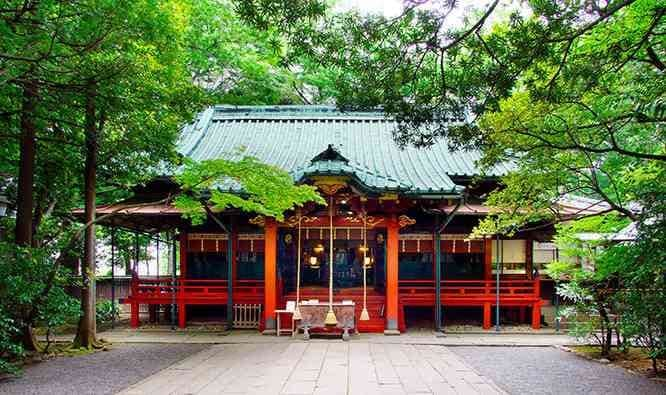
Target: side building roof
pixel 291 137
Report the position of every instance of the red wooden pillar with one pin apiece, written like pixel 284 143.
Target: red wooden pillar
pixel 270 274
pixel 134 315
pixel 536 307
pixel 392 277
pixel 488 259
pixel 488 272
pixel 486 315
pixel 536 315
pixel 182 317
pixel 134 307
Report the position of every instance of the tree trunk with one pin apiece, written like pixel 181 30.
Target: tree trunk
pixel 128 265
pixel 87 331
pixel 26 178
pixel 606 331
pixel 618 338
pixel 29 339
pixel 608 341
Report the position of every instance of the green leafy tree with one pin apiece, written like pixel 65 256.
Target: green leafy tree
pixel 642 270
pixel 588 280
pixel 247 184
pixel 108 84
pixel 24 296
pixel 570 92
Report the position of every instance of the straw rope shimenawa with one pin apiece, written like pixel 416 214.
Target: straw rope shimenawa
pixel 330 316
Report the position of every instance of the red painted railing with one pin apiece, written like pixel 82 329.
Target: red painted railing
pixel 163 287
pixel 471 289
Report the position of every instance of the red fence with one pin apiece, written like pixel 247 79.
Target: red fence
pixel 469 292
pixel 162 290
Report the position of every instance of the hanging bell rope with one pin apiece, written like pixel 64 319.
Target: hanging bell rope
pixel 364 313
pixel 297 310
pixel 330 316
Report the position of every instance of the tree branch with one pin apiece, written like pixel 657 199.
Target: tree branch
pixel 654 58
pixel 474 28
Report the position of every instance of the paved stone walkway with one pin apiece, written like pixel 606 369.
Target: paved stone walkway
pixel 331 367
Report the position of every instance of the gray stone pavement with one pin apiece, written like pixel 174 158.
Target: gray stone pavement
pixel 331 367
pixel 547 370
pixel 104 372
pixel 245 362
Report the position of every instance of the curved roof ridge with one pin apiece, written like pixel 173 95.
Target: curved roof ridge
pixel 355 169
pixel 291 112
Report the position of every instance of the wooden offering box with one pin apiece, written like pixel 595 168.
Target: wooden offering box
pixel 314 317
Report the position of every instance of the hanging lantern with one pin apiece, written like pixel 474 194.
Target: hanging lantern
pixel 314 262
pixel 367 262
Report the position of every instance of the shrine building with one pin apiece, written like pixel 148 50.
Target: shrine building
pixel 393 242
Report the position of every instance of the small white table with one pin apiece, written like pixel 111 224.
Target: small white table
pixel 289 309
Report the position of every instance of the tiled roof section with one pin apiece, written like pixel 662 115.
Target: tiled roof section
pixel 291 136
pixel 578 205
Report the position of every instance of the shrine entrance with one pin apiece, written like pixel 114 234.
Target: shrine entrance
pixel 349 255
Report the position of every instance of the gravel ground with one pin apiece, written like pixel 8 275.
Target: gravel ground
pixel 104 372
pixel 546 370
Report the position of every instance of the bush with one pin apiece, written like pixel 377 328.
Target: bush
pixel 26 298
pixel 10 349
pixel 107 311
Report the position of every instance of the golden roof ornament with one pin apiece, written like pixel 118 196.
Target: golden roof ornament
pixel 404 220
pixel 259 220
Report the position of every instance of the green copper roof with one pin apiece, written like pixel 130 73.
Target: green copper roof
pixel 291 137
pixel 332 162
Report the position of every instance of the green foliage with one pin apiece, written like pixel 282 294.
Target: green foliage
pixel 10 349
pixel 149 67
pixel 246 184
pixel 125 249
pixel 582 281
pixel 584 117
pixel 571 94
pixel 23 300
pixel 644 321
pixel 58 309
pixel 107 311
pixel 623 286
pixel 570 245
pixel 642 269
